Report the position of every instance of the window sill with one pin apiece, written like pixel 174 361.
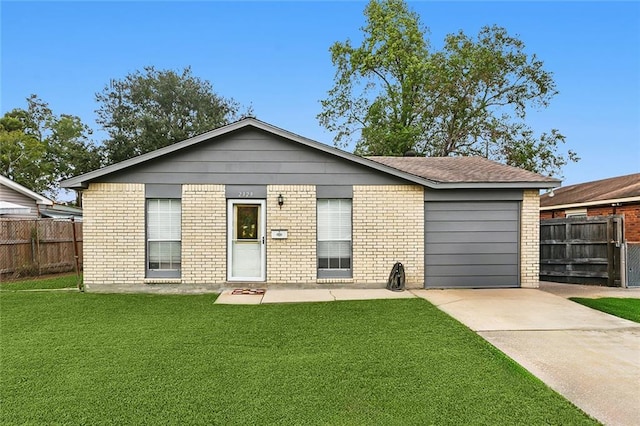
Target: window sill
pixel 334 280
pixel 163 281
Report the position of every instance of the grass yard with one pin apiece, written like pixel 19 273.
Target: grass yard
pixel 74 358
pixel 621 307
pixel 47 283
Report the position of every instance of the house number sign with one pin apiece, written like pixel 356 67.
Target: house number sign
pixel 246 191
pixel 279 234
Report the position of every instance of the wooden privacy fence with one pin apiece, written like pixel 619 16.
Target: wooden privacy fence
pixel 584 250
pixel 39 246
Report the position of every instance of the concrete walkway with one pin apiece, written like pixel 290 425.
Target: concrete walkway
pixel 309 295
pixel 591 358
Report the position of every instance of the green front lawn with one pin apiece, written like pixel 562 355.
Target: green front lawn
pixel 48 283
pixel 620 307
pixel 74 358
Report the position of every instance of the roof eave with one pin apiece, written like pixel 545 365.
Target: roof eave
pixel 591 203
pixel 497 185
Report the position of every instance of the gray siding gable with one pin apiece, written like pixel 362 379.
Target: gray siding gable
pixel 251 156
pixel 116 172
pixel 250 151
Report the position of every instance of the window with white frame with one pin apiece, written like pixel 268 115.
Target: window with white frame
pixel 164 236
pixel 334 238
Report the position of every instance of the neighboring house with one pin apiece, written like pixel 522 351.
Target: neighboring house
pixel 613 196
pixel 250 204
pixel 19 202
pixel 60 211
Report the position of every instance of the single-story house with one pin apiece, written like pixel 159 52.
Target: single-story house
pixel 613 196
pixel 250 204
pixel 19 202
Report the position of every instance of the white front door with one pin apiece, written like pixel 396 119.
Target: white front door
pixel 246 258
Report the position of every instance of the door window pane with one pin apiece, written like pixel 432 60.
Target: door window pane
pixel 247 224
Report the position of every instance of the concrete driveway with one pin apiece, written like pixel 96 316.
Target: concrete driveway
pixel 590 357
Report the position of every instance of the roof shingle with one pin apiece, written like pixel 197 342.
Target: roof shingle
pixel 461 169
pixel 606 189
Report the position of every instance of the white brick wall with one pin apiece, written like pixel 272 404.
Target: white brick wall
pixel 292 260
pixel 388 227
pixel 114 234
pixel 530 240
pixel 204 234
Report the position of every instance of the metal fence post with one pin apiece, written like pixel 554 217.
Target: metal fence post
pixel 623 265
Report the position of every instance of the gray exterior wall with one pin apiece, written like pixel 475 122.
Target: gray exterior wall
pixel 472 244
pixel 473 195
pixel 248 157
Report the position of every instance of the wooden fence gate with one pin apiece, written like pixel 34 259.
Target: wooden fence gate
pixel 583 250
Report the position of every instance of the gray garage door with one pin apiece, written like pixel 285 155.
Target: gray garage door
pixel 472 244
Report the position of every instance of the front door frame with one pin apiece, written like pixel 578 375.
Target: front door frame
pixel 261 238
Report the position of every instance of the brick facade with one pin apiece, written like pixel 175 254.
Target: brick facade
pixel 292 260
pixel 384 231
pixel 114 235
pixel 631 213
pixel 204 234
pixel 530 239
pixel 388 227
pixel 549 215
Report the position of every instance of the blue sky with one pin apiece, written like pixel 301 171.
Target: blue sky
pixel 274 56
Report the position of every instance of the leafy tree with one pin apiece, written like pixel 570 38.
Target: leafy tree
pixel 155 108
pixel 392 94
pixel 39 149
pixel 70 148
pixel 22 155
pixel 379 86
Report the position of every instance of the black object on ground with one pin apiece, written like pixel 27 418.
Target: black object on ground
pixel 396 278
